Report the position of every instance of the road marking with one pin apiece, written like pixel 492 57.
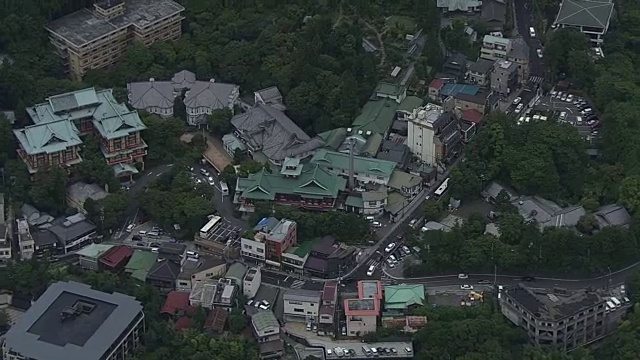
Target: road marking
pixel 149 174
pixel 158 174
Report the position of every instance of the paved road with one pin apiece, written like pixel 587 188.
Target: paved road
pixel 523 20
pixel 223 204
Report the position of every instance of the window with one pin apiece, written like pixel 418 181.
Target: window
pixel 373 203
pixel 298 310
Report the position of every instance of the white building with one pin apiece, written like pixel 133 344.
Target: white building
pixel 495 48
pixel 251 283
pixel 421 132
pixel 301 305
pixel 361 316
pixel 374 201
pixel 253 249
pixel 25 240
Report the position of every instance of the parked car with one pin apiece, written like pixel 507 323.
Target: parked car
pixel 517 100
pixel 463 276
pixel 519 108
pixel 130 227
pixel 532 31
pixel 570 98
pixel 564 97
pixel 466 287
pixel 390 247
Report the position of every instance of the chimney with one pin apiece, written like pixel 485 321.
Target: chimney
pixel 351 172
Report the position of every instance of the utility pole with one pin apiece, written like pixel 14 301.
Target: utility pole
pixel 609 282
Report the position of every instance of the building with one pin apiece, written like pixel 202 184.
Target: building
pixel 402 297
pixel 236 273
pixel 308 186
pixel 214 293
pixel 435 86
pixel 163 275
pixel 6 252
pixel 251 283
pixel 361 316
pixel 270 96
pixel 612 215
pixel 519 54
pixel 495 48
pixel 495 190
pixel 479 72
pixel 140 264
pixel 54 139
pixel 276 238
pixel 556 317
pixel 64 234
pixel 25 240
pixel 201 98
pixel 432 134
pixel 365 170
pixel 115 259
pixel 78 193
pixel 327 314
pixel 504 78
pixel 202 268
pixel 177 305
pixel 254 250
pixel 72 321
pixel 395 152
pixel 269 133
pixel 329 259
pixel 469 6
pixel 408 185
pixel 88 257
pixel 494 14
pixel 592 18
pixel 455 66
pixel 407 106
pixel 301 305
pixel 87 40
pixel 294 259
pixel 483 101
pixel 266 330
pixel 546 213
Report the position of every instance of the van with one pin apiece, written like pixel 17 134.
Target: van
pixel 142 232
pixel 376 224
pixel 193 254
pixel 611 306
pixel 370 218
pixel 616 301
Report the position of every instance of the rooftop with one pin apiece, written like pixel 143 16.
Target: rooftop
pixel 481 66
pixel 94 250
pixel 140 264
pixel 236 271
pixel 612 215
pixel 280 231
pixel 71 321
pixel 330 291
pixel 251 274
pixel 83 191
pixel 455 89
pixel 83 26
pixel 362 307
pixel 595 14
pixel 409 103
pixel 116 255
pixel 361 164
pixel 437 84
pixel 553 304
pixel 368 289
pixel 403 295
pixel 376 116
pixel 496 40
pixel 302 295
pixel 203 263
pixel 177 302
pixel 547 213
pixel 264 320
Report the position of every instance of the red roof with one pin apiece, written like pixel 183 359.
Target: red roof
pixel 362 307
pixel 436 84
pixel 330 291
pixel 176 301
pixel 183 323
pixel 472 115
pixel 115 256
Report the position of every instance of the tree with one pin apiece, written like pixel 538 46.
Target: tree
pixel 49 189
pixel 432 210
pixel 220 121
pixel 630 192
pixel 237 322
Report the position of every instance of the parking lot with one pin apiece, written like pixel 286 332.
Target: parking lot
pixel 227 232
pixel 519 105
pixel 571 112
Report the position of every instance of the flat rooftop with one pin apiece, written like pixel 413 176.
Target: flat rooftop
pixel 71 321
pixel 83 26
pixel 428 114
pixel 554 304
pixel 369 289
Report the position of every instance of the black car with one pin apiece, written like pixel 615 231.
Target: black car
pixel 136 237
pixel 528 278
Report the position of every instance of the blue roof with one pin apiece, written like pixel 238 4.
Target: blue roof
pixel 455 89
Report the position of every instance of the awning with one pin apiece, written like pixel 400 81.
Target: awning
pixel 124 170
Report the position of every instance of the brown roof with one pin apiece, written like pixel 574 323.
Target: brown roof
pixel 330 291
pixel 216 319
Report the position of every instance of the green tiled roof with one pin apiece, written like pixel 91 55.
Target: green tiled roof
pixel 48 137
pixel 410 103
pixel 314 182
pixel 400 179
pixel 372 146
pixel 333 138
pixel 264 320
pixel 94 250
pixel 403 295
pixel 140 264
pixel 395 203
pixel 338 160
pixel 120 125
pixel 376 116
pixel 355 201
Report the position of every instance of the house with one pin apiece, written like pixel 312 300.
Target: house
pixel 435 226
pixel 202 268
pixel 177 305
pixel 64 234
pixel 494 190
pixel 54 139
pixel 236 273
pixel 495 47
pixel 546 213
pixel 78 193
pixel 201 98
pixel 460 5
pixel 88 256
pixel 433 134
pixel 396 152
pixel 397 206
pixel 484 101
pixel 163 275
pixel 294 259
pixel 504 77
pixel 435 86
pixel 479 72
pixel 361 316
pixel 361 144
pixel 252 282
pixel 140 264
pixel 519 54
pixel 270 96
pixel 308 186
pixel 455 65
pixel 366 170
pixel 453 89
pixel 402 297
pixel 327 313
pixel 592 18
pixel 612 215
pixel 328 258
pixel 175 252
pixel 494 14
pixel 267 130
pixel 115 259
pixel 395 92
pixel 301 305
pixel 211 293
pixel 374 201
pixel 404 183
pixel 266 331
pixel 231 144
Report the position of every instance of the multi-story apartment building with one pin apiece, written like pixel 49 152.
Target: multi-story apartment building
pixel 59 123
pixel 93 39
pixel 432 133
pixel 590 17
pixel 278 239
pixel 301 305
pixel 495 48
pixel 556 317
pixel 72 321
pixel 25 240
pixel 251 282
pixel 253 249
pixel 504 78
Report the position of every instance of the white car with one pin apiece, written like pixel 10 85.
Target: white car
pixel 371 270
pixel 130 227
pixel 517 100
pixel 539 51
pixel 519 108
pixel 564 97
pixel 570 98
pixel 390 247
pixel 532 31
pixel 211 181
pixel 463 276
pixel 466 287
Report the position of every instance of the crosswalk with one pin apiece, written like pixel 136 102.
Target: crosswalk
pixel 536 79
pixel 297 284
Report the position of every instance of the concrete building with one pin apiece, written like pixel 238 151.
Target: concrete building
pixel 479 72
pixel 504 77
pixel 432 133
pixel 202 268
pixel 78 193
pixel 556 317
pixel 251 283
pixel 266 330
pixel 278 239
pixel 495 48
pixel 213 293
pixel 361 316
pixel 88 257
pixel 253 250
pixel 519 55
pixel 327 313
pixel 87 40
pixel 301 305
pixel 592 18
pixel 25 240
pixel 72 321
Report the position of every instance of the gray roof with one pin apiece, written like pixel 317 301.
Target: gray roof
pixel 458 5
pixel 519 49
pixel 272 132
pixel 183 79
pixel 547 213
pixel 481 66
pixel 394 151
pixel 40 334
pixel 270 95
pixel 70 228
pixel 494 188
pixel 612 215
pixel 164 270
pixel 302 295
pixel 211 95
pixel 191 267
pixel 143 95
pixel 263 320
pixel 493 11
pixel 83 26
pixel 280 231
pixel 585 13
pixel 82 191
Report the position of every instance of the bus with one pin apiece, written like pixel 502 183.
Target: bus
pixel 443 187
pixel 224 189
pixel 210 227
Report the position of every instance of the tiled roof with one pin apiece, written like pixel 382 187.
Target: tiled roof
pixel 120 125
pixel 48 138
pixel 143 95
pixel 264 320
pixel 410 103
pixel 455 89
pixel 176 301
pixel 216 319
pixel 209 94
pixel 183 323
pixel 116 255
pixel 164 270
pixel 472 115
pixel 403 295
pixel 585 13
pixel 400 179
pixel 140 264
pixel 338 160
pixel 458 5
pixel 376 116
pixel 333 138
pixel 436 84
